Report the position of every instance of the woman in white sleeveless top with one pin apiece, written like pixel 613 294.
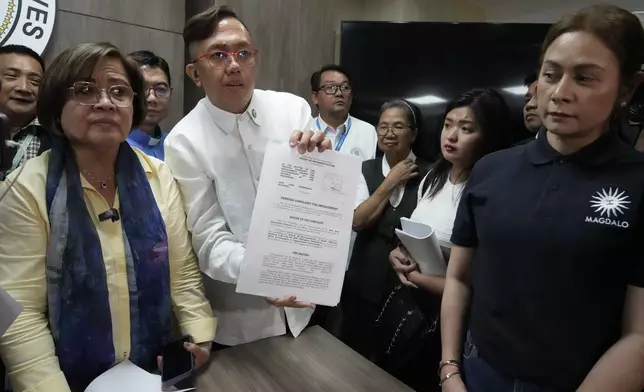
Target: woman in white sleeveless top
pixel 476 123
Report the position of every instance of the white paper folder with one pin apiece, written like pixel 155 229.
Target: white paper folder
pixel 9 311
pixel 127 377
pixel 422 245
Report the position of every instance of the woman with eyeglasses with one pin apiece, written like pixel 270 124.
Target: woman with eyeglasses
pixel 386 193
pixel 93 241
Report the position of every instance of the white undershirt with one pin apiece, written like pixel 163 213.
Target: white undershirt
pixel 439 211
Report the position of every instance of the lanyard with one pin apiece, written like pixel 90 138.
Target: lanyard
pixel 340 142
pixel 21 151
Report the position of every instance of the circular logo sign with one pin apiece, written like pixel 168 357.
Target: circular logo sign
pixel 27 22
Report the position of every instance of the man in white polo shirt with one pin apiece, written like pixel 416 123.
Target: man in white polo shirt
pixel 216 154
pixel 333 95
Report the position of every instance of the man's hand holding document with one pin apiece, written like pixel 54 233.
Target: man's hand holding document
pixel 300 230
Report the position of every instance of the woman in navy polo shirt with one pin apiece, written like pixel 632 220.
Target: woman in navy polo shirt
pixel 546 278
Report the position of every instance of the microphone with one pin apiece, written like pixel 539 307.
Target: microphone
pixel 112 214
pixel 6 152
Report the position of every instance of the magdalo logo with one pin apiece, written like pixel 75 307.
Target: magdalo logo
pixel 27 22
pixel 610 204
pixel 356 152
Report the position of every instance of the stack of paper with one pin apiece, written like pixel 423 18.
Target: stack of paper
pixel 127 377
pixel 422 245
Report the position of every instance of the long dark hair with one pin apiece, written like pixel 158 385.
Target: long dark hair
pixel 494 119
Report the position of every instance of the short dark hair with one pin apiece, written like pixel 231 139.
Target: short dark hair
pixel 75 64
pixel 530 78
pixel 150 59
pixel 620 30
pixel 202 25
pixel 317 75
pixel 25 51
pixel 494 118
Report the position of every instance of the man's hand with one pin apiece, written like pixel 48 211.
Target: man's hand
pixel 289 302
pixel 309 140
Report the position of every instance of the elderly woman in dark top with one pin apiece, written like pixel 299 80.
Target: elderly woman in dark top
pixel 93 241
pixel 386 193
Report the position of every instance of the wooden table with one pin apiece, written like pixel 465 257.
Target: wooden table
pixel 314 362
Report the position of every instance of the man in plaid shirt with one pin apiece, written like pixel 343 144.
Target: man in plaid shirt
pixel 21 71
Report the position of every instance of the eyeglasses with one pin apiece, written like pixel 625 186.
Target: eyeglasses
pixel 397 129
pixel 332 88
pixel 86 93
pixel 219 58
pixel 161 92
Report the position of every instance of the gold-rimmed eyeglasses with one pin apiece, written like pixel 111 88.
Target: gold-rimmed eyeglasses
pixel 88 93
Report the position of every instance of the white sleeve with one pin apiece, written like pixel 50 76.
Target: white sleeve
pixel 363 191
pixel 375 143
pixel 305 120
pixel 220 253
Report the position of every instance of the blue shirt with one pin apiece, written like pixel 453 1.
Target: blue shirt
pixel 152 146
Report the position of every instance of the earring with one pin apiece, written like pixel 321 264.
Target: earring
pixel 623 104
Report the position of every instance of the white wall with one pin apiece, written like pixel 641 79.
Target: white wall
pixel 422 10
pixel 543 11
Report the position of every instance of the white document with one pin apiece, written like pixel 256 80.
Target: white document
pixel 299 236
pixel 422 244
pixel 127 377
pixel 9 311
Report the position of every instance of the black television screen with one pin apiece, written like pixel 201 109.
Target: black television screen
pixel 431 63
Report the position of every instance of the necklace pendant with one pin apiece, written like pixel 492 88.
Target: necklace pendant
pixel 103 184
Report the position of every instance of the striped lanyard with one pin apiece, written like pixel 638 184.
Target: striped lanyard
pixel 338 146
pixel 20 154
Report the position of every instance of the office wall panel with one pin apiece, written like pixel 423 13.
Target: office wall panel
pixel 159 14
pixel 423 10
pixel 294 37
pixel 192 94
pixel 544 11
pixel 297 36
